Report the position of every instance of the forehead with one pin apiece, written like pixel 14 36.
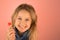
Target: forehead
pixel 23 13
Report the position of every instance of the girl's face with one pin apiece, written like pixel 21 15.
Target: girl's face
pixel 23 21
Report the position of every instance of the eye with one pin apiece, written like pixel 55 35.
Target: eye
pixel 19 18
pixel 26 19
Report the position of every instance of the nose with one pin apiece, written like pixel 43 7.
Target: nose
pixel 23 24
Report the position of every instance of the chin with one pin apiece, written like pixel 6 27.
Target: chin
pixel 22 31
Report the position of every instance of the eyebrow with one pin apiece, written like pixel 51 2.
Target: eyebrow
pixel 27 17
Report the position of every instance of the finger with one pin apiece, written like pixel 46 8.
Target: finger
pixel 11 29
pixel 12 37
pixel 12 32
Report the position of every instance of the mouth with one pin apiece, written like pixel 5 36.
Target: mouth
pixel 22 27
pixel 18 25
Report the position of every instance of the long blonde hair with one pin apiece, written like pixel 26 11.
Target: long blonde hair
pixel 29 8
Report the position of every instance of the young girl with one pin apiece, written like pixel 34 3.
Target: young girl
pixel 23 24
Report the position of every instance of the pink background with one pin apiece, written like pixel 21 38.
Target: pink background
pixel 48 12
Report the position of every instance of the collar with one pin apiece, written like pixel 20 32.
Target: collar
pixel 24 36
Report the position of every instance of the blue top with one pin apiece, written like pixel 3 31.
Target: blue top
pixel 24 36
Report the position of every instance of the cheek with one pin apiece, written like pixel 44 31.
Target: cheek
pixel 28 25
pixel 16 22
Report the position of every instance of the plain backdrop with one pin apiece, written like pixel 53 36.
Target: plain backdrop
pixel 48 13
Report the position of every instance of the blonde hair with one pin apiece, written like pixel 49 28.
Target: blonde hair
pixel 29 8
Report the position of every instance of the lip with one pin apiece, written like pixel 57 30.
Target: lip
pixel 22 27
pixel 18 25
